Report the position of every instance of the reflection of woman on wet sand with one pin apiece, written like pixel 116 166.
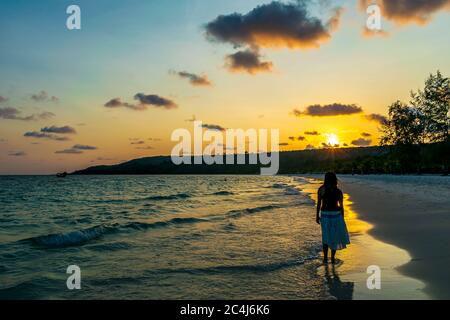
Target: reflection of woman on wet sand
pixel 330 215
pixel 340 290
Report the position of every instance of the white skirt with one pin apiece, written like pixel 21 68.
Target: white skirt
pixel 334 230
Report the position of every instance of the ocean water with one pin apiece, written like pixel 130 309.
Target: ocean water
pixel 159 237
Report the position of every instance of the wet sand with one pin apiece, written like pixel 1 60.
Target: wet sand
pixel 411 213
pixel 399 277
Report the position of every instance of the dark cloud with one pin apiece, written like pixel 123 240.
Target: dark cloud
pixel 299 138
pixel 52 133
pixel 76 149
pixel 272 25
pixel 43 96
pixel 43 135
pixel 3 99
pixel 283 144
pixel 69 151
pixel 310 147
pixel 9 113
pixel 408 11
pixel 144 102
pixel 114 103
pixel 117 103
pixel 247 61
pixel 155 100
pixel 335 109
pixel 194 79
pixel 84 147
pixel 312 133
pixel 297 112
pixel 275 25
pixel 377 118
pixel 361 142
pixel 365 134
pixel 59 130
pixel 17 154
pixel 214 127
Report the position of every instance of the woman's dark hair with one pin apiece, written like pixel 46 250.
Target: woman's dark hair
pixel 330 180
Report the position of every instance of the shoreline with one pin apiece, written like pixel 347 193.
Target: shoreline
pixel 365 250
pixel 412 215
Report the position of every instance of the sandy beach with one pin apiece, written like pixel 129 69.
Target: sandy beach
pixel 400 223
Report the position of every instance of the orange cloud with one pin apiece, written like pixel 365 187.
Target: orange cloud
pixel 273 25
pixel 409 11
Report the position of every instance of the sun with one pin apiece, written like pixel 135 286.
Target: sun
pixel 333 139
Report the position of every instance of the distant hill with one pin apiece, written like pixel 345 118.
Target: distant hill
pixel 343 160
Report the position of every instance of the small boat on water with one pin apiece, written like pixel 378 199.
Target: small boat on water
pixel 61 175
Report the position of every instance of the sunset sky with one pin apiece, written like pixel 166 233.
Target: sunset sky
pixel 138 69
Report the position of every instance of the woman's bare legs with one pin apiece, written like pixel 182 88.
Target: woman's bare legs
pixel 325 253
pixel 333 254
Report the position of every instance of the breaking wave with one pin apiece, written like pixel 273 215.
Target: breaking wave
pixel 247 211
pixel 80 237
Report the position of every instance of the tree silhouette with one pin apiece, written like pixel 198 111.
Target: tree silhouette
pixel 434 103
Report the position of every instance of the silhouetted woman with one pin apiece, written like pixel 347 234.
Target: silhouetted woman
pixel 330 215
